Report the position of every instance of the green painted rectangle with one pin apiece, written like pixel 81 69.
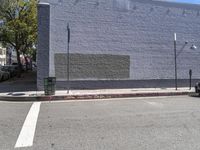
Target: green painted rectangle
pixel 92 66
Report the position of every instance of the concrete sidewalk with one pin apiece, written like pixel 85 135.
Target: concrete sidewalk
pixel 27 82
pixel 93 94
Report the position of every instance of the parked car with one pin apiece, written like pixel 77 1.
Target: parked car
pixel 4 75
pixel 12 69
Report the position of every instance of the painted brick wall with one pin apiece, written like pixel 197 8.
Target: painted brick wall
pixel 141 29
pixel 43 43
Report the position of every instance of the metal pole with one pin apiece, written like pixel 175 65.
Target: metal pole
pixel 175 61
pixel 68 61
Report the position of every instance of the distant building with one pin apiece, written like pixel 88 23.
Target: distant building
pixel 117 43
pixel 11 56
pixel 2 56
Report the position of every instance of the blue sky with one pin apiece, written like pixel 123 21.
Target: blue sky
pixel 186 1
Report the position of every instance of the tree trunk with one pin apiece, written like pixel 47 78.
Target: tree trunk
pixel 26 61
pixel 19 64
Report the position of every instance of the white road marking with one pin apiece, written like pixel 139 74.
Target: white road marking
pixel 26 136
pixel 156 104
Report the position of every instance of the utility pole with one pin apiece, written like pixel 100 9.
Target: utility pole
pixel 68 61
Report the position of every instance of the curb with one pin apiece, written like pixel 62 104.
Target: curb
pixel 89 96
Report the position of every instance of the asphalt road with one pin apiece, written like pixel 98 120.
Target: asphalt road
pixel 164 123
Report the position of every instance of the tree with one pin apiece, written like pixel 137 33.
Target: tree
pixel 19 28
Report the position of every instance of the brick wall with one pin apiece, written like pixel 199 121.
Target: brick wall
pixel 43 43
pixel 140 29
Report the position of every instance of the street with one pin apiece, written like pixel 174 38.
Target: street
pixel 156 123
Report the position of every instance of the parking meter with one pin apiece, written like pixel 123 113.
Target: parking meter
pixel 190 78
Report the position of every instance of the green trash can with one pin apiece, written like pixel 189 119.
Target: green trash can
pixel 49 85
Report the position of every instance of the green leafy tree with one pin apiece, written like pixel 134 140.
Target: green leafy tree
pixel 19 28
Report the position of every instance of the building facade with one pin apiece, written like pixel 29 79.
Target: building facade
pixel 2 56
pixel 11 56
pixel 117 43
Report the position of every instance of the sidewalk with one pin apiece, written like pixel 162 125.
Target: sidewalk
pixel 93 94
pixel 26 83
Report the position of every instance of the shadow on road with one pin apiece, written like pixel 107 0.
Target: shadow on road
pixel 26 83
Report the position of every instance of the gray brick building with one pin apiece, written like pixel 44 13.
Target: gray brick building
pixel 117 43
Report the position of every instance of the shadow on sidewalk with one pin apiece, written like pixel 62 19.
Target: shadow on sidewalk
pixel 26 83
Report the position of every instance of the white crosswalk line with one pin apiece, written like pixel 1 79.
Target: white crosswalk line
pixel 26 136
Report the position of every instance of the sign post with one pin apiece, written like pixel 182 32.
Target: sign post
pixel 175 61
pixel 68 61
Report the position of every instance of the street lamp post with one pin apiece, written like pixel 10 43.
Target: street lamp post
pixel 175 61
pixel 193 47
